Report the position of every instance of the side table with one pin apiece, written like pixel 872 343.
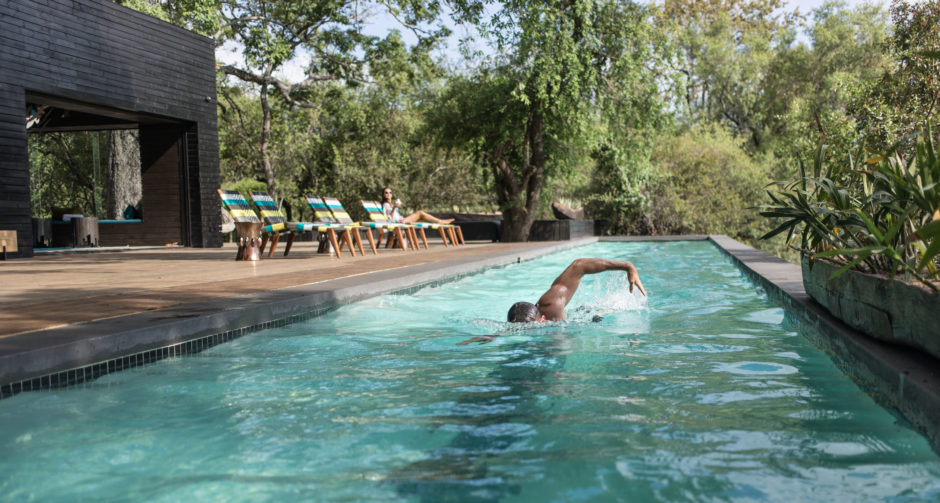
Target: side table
pixel 249 240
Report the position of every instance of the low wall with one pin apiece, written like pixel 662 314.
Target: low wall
pixel 560 230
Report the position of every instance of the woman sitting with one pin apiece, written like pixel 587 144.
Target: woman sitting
pixel 390 208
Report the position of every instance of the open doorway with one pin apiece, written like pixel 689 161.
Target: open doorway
pixel 88 173
pixel 126 170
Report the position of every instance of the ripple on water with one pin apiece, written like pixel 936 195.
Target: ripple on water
pixel 691 348
pixel 755 368
pixel 769 316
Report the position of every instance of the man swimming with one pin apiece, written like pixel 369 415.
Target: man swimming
pixel 551 305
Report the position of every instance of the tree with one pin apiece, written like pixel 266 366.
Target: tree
pixel 633 117
pixel 520 114
pixel 819 83
pixel 125 180
pixel 480 114
pixel 724 49
pixel 739 63
pixel 325 34
pixel 907 94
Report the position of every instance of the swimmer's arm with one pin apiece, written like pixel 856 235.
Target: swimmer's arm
pixel 482 339
pixel 571 277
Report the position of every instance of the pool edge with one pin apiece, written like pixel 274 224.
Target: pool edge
pixel 898 377
pixel 81 349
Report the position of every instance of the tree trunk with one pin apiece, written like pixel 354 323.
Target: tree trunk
pixel 266 143
pixel 123 172
pixel 520 209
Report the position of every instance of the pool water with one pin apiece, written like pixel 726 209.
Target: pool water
pixel 702 392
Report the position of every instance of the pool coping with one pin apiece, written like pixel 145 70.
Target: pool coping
pixel 899 378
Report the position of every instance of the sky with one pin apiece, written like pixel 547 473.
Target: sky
pixel 293 71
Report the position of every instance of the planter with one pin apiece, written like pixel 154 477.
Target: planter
pixel 892 311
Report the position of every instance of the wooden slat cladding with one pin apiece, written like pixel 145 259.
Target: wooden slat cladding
pixel 14 169
pixel 160 153
pixel 101 54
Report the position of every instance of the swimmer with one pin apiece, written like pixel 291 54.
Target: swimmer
pixel 551 305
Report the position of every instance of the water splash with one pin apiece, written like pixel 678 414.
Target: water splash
pixel 604 294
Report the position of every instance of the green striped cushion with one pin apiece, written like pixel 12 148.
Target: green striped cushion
pixel 339 213
pixel 269 210
pixel 237 205
pixel 375 211
pixel 321 210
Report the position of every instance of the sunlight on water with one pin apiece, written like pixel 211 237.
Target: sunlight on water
pixel 700 392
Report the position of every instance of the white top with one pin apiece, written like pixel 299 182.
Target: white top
pixel 391 212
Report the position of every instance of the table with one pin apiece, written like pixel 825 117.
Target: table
pixel 249 240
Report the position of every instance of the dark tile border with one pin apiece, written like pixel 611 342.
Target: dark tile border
pixel 85 373
pixel 93 371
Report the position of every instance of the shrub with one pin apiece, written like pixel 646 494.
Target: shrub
pixel 618 192
pixel 707 184
pixel 880 217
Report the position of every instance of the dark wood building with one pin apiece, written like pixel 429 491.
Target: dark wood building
pixel 99 65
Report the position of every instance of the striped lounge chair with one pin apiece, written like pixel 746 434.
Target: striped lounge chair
pixel 398 232
pixel 324 217
pixel 241 212
pixel 445 230
pixel 378 221
pixel 273 217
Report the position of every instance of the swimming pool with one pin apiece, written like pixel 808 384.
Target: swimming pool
pixel 703 392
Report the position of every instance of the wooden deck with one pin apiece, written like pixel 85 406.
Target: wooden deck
pixel 57 290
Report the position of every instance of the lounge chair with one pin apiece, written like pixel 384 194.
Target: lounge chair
pixel 323 216
pixel 378 221
pixel 397 232
pixel 445 230
pixel 336 235
pixel 241 211
pixel 340 216
pixel 453 231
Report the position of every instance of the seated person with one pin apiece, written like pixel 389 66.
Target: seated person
pixel 390 208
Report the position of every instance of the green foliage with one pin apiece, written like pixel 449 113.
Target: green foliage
pixel 707 184
pixel 568 75
pixel 354 143
pixel 659 117
pixel 149 7
pixel 67 171
pixel 882 217
pixel 908 92
pixel 700 182
pixel 725 55
pixel 619 192
pixel 819 83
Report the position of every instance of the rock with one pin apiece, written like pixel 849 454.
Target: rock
pixel 563 212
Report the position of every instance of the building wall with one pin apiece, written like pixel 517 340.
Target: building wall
pixel 160 154
pixel 14 175
pixel 100 53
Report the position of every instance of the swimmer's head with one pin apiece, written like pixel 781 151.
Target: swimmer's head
pixel 522 312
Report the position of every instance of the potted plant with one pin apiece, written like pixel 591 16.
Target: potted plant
pixel 869 240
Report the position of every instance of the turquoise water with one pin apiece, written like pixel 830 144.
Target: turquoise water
pixel 703 392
